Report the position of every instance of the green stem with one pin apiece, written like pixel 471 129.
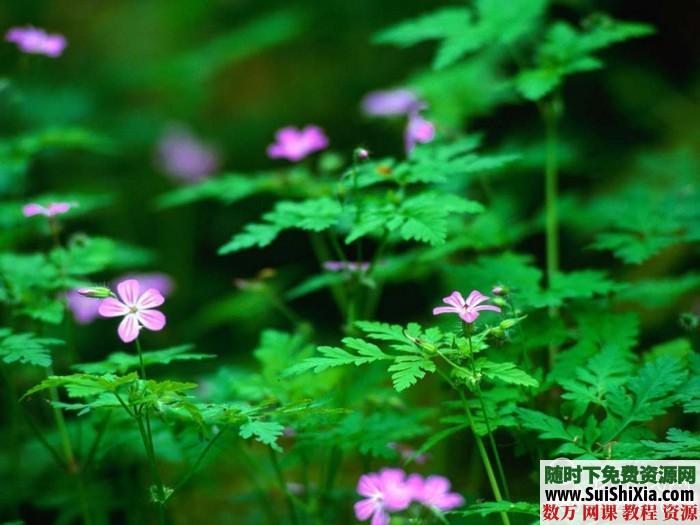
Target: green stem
pixel 198 461
pixel 550 116
pixel 480 446
pixel 283 486
pixel 61 427
pixel 147 438
pixel 98 439
pixel 87 520
pixel 492 441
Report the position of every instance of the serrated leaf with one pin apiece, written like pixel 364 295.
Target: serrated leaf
pixel 26 348
pixel 266 432
pixel 120 362
pixel 408 369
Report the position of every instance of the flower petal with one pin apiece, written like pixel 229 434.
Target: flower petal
pixel 368 485
pixel 365 508
pixel 475 296
pixel 150 299
pixel 129 291
pixel 34 209
pixel 487 307
pixel 454 299
pixel 129 328
pixel 152 319
pixel 469 316
pixel 111 307
pixel 380 518
pixel 446 310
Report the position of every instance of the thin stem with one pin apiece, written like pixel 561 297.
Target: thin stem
pixel 198 461
pixel 492 441
pixel 550 115
pixel 87 520
pixel 147 438
pixel 283 486
pixel 61 426
pixel 480 446
pixel 96 442
pixel 140 353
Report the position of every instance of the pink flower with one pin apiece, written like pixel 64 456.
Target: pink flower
pixel 384 492
pixel 389 103
pixel 182 156
pixel 85 304
pixel 36 41
pixel 434 491
pixel 468 310
pixel 53 209
pixel 418 130
pixel 294 144
pixel 136 308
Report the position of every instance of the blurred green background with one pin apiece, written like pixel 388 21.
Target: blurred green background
pixel 235 71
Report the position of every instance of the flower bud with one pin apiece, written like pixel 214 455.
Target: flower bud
pixel 361 154
pixel 95 292
pixel 500 290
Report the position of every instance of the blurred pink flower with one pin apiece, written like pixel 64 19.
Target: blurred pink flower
pixel 55 208
pixel 434 491
pixel 384 492
pixel 418 130
pixel 136 308
pixel 182 156
pixel 391 102
pixel 85 309
pixel 36 41
pixel 467 309
pixel 294 144
pixel 351 266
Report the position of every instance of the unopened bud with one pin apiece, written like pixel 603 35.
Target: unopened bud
pixel 95 292
pixel 361 154
pixel 500 290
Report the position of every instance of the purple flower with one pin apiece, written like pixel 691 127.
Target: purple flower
pixel 384 492
pixel 389 103
pixel 418 130
pixel 36 41
pixel 182 156
pixel 136 308
pixel 350 266
pixel 434 491
pixel 467 309
pixel 53 209
pixel 294 144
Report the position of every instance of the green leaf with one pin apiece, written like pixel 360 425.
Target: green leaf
pixel 334 356
pixel 679 444
pixel 496 507
pixel 26 348
pixel 259 235
pixel 506 372
pixel 228 188
pixel 549 427
pixel 84 385
pixel 408 369
pixel 266 432
pixel 121 362
pixel 646 396
pixel 312 215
